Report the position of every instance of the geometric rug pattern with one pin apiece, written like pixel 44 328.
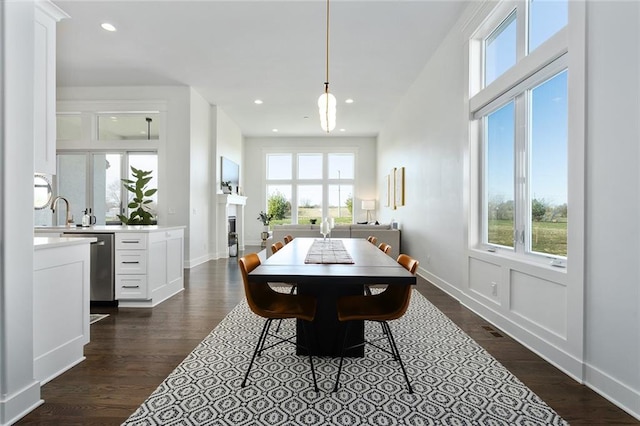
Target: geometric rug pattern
pixel 96 317
pixel 455 381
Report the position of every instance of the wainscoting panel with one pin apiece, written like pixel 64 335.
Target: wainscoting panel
pixel 485 279
pixel 540 301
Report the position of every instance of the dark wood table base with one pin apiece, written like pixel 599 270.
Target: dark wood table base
pixel 328 331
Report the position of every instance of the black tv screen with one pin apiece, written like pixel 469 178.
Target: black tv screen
pixel 229 172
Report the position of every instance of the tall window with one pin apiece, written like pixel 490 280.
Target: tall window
pixel 521 110
pixel 302 186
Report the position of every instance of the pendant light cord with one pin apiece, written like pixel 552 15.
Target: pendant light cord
pixel 326 83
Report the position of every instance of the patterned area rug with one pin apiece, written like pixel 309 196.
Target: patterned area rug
pixel 96 317
pixel 455 381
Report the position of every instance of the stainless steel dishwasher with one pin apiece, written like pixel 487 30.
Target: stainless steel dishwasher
pixel 102 279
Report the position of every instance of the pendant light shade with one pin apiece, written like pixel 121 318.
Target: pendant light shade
pixel 327 109
pixel 327 102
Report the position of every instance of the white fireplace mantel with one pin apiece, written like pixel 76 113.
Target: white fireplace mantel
pixel 232 199
pixel 225 203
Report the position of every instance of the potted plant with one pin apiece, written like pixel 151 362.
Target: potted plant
pixel 226 187
pixel 265 219
pixel 141 213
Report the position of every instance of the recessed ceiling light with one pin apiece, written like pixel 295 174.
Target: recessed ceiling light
pixel 343 130
pixel 258 102
pixel 348 101
pixel 108 27
pixel 274 130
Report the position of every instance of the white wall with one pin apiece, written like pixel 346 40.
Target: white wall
pixel 253 172
pixel 613 201
pixel 19 392
pixel 201 178
pixel 428 135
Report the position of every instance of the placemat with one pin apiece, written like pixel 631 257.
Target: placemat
pixel 328 251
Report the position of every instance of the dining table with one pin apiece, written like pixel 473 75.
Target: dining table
pixel 328 269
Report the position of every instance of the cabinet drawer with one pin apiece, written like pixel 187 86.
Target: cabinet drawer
pixel 130 241
pixel 131 262
pixel 131 287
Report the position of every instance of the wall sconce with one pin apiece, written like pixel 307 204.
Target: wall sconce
pixel 368 205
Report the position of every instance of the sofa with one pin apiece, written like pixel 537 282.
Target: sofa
pixel 384 234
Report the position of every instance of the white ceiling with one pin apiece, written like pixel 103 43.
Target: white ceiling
pixel 233 52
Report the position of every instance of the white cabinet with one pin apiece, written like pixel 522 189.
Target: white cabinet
pixel 44 126
pixel 149 267
pixel 131 266
pixel 60 304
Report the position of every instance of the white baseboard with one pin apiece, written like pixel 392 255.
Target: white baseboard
pixel 191 263
pixel 612 389
pixel 16 405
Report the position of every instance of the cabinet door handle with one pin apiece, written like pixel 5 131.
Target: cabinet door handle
pixel 130 241
pixel 130 286
pixel 130 262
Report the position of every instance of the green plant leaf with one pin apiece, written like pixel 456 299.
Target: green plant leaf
pixel 150 192
pixel 132 205
pixel 147 201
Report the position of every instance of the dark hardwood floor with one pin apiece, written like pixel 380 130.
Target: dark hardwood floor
pixel 133 350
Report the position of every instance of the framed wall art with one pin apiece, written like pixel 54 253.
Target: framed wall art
pixel 387 191
pixel 399 187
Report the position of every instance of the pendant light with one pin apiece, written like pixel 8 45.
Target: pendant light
pixel 326 101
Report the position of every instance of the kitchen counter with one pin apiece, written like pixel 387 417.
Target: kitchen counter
pixel 148 260
pixel 106 228
pixel 40 243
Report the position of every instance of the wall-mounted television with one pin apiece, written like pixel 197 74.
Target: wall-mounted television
pixel 229 172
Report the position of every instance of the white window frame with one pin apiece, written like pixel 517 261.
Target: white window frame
pixel 529 71
pixel 325 181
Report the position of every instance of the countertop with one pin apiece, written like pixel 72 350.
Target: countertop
pixel 51 242
pixel 107 228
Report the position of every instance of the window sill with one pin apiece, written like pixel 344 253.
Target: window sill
pixel 540 267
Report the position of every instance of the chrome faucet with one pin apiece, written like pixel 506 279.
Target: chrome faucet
pixel 69 219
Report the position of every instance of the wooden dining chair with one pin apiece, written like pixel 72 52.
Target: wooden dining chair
pixel 373 240
pixel 288 238
pixel 386 248
pixel 391 304
pixel 272 305
pixel 276 246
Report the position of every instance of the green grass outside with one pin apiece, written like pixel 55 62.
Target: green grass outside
pixel 548 237
pixel 307 213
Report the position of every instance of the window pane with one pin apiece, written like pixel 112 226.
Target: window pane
pixel 279 204
pixel 128 126
pixel 309 203
pixel 341 166
pixel 148 162
pixel 500 134
pixel 500 50
pixel 548 182
pixel 279 166
pixel 341 203
pixel 546 17
pixel 107 188
pixel 71 179
pixel 310 166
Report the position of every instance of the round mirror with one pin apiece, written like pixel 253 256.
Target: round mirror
pixel 41 192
